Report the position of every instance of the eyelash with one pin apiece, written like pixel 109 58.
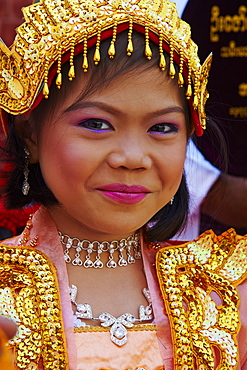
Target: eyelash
pixel 161 128
pixel 91 124
pixel 158 129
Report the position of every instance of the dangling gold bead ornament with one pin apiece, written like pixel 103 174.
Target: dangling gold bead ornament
pixel 85 61
pixel 148 51
pixel 59 74
pixel 189 87
pixel 71 73
pixel 180 73
pixel 96 56
pixel 130 47
pixel 172 70
pixel 111 50
pixel 46 86
pixel 162 62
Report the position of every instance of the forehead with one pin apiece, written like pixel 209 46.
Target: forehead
pixel 151 87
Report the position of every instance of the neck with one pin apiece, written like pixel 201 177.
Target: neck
pixel 75 229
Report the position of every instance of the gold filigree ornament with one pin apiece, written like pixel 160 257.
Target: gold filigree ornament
pixel 198 282
pixel 29 296
pixel 57 30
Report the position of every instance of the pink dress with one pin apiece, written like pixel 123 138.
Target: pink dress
pixel 149 347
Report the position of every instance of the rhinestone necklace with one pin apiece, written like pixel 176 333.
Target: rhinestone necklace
pixel 128 249
pixel 117 325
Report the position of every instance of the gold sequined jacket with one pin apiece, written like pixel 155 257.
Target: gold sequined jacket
pixel 198 282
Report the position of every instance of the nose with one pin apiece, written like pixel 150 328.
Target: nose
pixel 132 154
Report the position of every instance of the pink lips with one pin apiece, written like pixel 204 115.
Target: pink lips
pixel 125 194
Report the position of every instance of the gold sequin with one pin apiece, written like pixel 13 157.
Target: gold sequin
pixel 188 275
pixel 29 296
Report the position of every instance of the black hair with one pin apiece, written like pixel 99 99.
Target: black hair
pixel 171 217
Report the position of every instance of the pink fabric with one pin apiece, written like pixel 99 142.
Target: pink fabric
pixel 161 319
pixel 49 243
pixel 141 350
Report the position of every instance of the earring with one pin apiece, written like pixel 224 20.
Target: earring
pixel 171 201
pixel 25 185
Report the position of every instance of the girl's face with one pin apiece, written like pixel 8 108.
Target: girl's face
pixel 116 158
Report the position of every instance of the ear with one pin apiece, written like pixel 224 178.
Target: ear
pixel 29 135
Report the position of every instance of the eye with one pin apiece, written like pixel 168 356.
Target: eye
pixel 96 124
pixel 163 128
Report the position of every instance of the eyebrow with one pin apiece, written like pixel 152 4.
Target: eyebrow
pixel 116 112
pixel 87 104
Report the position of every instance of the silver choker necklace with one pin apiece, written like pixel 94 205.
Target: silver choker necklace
pixel 128 249
pixel 117 325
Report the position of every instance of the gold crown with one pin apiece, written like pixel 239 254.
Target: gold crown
pixel 54 27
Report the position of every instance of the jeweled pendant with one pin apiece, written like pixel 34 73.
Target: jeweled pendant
pixel 118 334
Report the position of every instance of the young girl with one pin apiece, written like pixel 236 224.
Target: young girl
pixel 98 101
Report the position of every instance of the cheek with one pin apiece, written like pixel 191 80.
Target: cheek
pixel 61 162
pixel 171 166
pixel 68 163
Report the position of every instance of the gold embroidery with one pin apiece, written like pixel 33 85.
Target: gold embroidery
pixel 141 327
pixel 29 296
pixel 188 275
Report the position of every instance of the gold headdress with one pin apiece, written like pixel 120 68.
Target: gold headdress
pixel 53 28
